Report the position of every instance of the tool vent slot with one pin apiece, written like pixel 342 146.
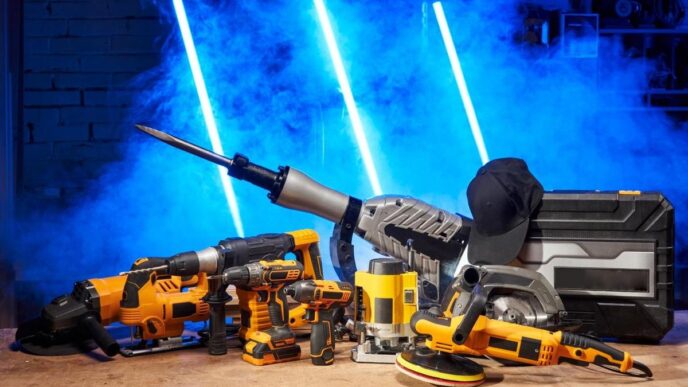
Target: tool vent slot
pixel 167 286
pixel 130 316
pixel 546 354
pixel 359 306
pixel 443 347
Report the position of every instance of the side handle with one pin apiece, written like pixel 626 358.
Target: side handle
pixel 475 309
pixel 216 298
pixel 99 334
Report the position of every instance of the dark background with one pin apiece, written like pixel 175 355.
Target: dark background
pixel 66 82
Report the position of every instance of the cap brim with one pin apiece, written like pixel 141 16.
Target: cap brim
pixel 497 249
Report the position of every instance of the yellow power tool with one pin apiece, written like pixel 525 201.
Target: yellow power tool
pixel 386 298
pixel 267 279
pixel 231 252
pixel 156 305
pixel 322 299
pixel 254 307
pixel 474 334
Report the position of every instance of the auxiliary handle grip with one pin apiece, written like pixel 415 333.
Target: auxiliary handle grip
pixel 217 331
pixel 475 309
pixel 100 335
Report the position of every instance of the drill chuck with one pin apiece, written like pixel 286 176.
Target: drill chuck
pixel 194 262
pixel 289 291
pixel 238 276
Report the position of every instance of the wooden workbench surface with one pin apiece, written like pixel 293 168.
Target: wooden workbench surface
pixel 668 361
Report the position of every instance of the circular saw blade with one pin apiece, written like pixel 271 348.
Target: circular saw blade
pixel 441 369
pixel 33 337
pixel 517 307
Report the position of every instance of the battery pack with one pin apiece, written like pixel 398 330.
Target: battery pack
pixel 610 257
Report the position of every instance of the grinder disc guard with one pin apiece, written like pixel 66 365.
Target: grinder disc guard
pixel 439 368
pixel 33 337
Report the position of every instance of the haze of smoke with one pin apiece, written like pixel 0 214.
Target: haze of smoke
pixel 276 99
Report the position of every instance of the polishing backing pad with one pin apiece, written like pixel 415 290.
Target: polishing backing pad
pixel 439 368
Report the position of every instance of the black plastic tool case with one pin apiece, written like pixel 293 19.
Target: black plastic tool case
pixel 617 220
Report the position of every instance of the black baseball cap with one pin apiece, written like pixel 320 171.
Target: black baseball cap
pixel 502 196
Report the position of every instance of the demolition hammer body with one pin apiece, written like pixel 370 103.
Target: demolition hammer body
pixel 429 238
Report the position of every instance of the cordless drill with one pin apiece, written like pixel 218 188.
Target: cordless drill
pixel 322 299
pixel 253 306
pixel 267 280
pixel 232 252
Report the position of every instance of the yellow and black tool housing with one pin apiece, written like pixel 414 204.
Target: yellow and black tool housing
pixel 108 292
pixel 253 307
pixel 271 346
pixel 156 305
pixel 277 343
pixel 386 298
pixel 519 343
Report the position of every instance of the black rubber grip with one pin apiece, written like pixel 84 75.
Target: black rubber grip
pixel 186 263
pixel 217 331
pixel 278 313
pixel 475 309
pixel 100 335
pixel 583 342
pixel 322 339
pixel 217 338
pixel 243 169
pixel 240 251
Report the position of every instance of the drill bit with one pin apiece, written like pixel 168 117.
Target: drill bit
pixel 156 268
pixel 187 146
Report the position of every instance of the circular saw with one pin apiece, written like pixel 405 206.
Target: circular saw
pixel 513 294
